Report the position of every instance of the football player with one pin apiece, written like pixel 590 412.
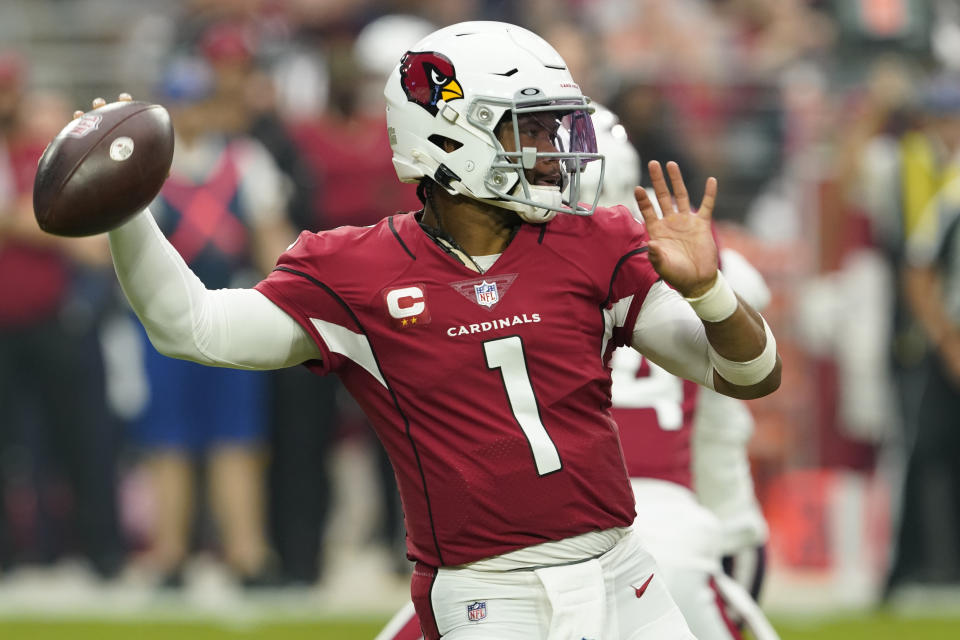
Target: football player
pixel 658 414
pixel 476 332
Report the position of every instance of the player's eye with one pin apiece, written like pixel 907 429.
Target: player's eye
pixel 539 126
pixel 529 127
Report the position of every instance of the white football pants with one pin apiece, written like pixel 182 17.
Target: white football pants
pixel 618 596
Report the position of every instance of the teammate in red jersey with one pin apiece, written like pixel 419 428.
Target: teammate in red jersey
pixel 660 417
pixel 476 334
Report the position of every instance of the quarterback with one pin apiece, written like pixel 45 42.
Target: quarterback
pixel 657 415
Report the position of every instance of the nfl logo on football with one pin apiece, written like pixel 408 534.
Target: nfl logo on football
pixel 486 293
pixel 476 611
pixel 83 125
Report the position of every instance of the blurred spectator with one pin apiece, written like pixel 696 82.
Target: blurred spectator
pixel 650 122
pixel 223 209
pixel 347 145
pixel 905 144
pixel 866 29
pixel 767 37
pixel 57 438
pixel 245 101
pixel 298 470
pixel 928 548
pixel 349 149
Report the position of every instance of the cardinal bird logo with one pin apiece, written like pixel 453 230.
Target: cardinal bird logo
pixel 427 77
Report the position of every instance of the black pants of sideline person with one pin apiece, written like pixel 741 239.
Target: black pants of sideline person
pixel 928 545
pixel 304 422
pixel 59 448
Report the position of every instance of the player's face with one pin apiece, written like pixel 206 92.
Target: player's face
pixel 538 130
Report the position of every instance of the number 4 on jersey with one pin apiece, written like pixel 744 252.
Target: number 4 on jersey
pixel 507 355
pixel 636 386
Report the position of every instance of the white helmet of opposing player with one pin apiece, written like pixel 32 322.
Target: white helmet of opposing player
pixel 456 85
pixel 618 177
pixel 383 41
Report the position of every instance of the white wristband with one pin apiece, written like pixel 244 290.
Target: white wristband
pixel 744 374
pixel 718 303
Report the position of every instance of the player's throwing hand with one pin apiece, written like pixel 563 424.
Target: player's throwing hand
pixel 99 102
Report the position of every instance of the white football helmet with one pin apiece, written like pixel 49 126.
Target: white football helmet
pixel 456 84
pixel 623 171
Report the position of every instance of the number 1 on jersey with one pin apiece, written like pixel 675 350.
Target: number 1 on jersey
pixel 507 355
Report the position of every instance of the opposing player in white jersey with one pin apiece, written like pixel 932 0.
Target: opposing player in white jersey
pixel 476 335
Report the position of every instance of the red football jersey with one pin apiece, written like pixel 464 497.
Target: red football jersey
pixel 491 393
pixel 654 410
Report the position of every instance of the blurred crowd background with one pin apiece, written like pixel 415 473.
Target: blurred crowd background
pixel 833 127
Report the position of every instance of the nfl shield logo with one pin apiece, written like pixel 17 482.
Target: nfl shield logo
pixel 476 611
pixel 84 124
pixel 486 293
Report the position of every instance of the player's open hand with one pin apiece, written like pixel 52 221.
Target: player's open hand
pixel 682 248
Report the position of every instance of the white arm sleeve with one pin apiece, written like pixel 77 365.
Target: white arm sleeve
pixel 236 328
pixel 745 279
pixel 670 334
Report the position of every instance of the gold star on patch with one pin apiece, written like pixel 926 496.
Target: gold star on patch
pixel 403 322
pixel 413 320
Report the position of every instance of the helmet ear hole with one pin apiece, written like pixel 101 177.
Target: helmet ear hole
pixel 448 145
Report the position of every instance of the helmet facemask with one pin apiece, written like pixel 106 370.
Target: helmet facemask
pixel 569 126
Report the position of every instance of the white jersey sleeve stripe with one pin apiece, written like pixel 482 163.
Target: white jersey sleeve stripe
pixel 614 317
pixel 348 343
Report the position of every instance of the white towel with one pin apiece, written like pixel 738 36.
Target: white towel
pixel 578 598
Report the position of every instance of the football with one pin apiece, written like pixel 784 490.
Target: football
pixel 102 168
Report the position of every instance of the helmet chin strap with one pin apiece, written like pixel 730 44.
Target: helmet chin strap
pixel 548 196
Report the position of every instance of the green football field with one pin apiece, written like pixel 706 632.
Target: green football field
pixel 878 627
